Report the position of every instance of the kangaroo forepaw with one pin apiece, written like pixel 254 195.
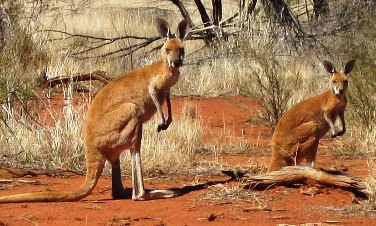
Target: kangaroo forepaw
pixel 162 127
pixel 341 133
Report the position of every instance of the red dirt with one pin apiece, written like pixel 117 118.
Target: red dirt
pixel 204 205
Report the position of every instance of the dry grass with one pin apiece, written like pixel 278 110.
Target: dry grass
pixel 371 187
pixel 57 145
pixel 60 144
pixel 170 151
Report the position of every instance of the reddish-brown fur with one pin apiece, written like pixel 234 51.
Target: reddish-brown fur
pixel 114 123
pixel 299 130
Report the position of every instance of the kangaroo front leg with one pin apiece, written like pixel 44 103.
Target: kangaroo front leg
pixel 169 118
pixel 154 96
pixel 331 124
pixel 343 122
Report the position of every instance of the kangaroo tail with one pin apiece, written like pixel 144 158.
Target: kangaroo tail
pixel 94 163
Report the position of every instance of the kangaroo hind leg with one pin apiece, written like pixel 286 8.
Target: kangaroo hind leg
pixel 311 155
pixel 139 192
pixel 307 140
pixel 118 191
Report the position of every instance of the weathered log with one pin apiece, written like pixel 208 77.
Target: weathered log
pixel 291 175
pixel 92 76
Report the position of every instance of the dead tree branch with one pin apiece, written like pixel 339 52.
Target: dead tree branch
pixel 298 174
pixel 92 76
pixel 295 23
pixel 321 8
pixel 285 16
pixel 100 42
pixel 205 20
pixel 217 11
pixel 183 11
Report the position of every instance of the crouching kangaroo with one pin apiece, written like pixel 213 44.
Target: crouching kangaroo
pixel 299 130
pixel 114 123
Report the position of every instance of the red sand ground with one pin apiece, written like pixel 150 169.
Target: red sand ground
pixel 204 205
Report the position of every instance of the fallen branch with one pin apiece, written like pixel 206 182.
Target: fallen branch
pixel 92 76
pixel 8 181
pixel 298 174
pixel 53 173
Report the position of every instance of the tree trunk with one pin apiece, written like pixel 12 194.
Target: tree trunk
pixel 183 11
pixel 205 20
pixel 282 12
pixel 321 8
pixel 217 11
pixel 251 7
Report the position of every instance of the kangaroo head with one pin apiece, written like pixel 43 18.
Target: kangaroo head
pixel 338 80
pixel 173 49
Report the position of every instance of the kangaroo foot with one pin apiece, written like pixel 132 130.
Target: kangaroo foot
pixel 122 194
pixel 157 194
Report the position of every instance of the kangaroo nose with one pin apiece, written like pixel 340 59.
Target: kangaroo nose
pixel 178 63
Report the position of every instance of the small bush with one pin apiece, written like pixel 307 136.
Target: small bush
pixel 271 86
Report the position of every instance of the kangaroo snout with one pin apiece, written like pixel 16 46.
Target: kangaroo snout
pixel 338 90
pixel 175 63
pixel 178 63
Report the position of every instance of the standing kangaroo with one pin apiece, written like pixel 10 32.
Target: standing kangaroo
pixel 299 130
pixel 114 123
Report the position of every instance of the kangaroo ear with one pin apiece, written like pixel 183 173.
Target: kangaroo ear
pixel 183 29
pixel 349 66
pixel 329 67
pixel 163 28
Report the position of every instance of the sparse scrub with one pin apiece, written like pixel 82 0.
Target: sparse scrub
pixel 362 95
pixel 360 138
pixel 271 86
pixel 57 145
pixel 21 56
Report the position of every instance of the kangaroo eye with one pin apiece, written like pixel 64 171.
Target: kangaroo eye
pixel 168 50
pixel 334 81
